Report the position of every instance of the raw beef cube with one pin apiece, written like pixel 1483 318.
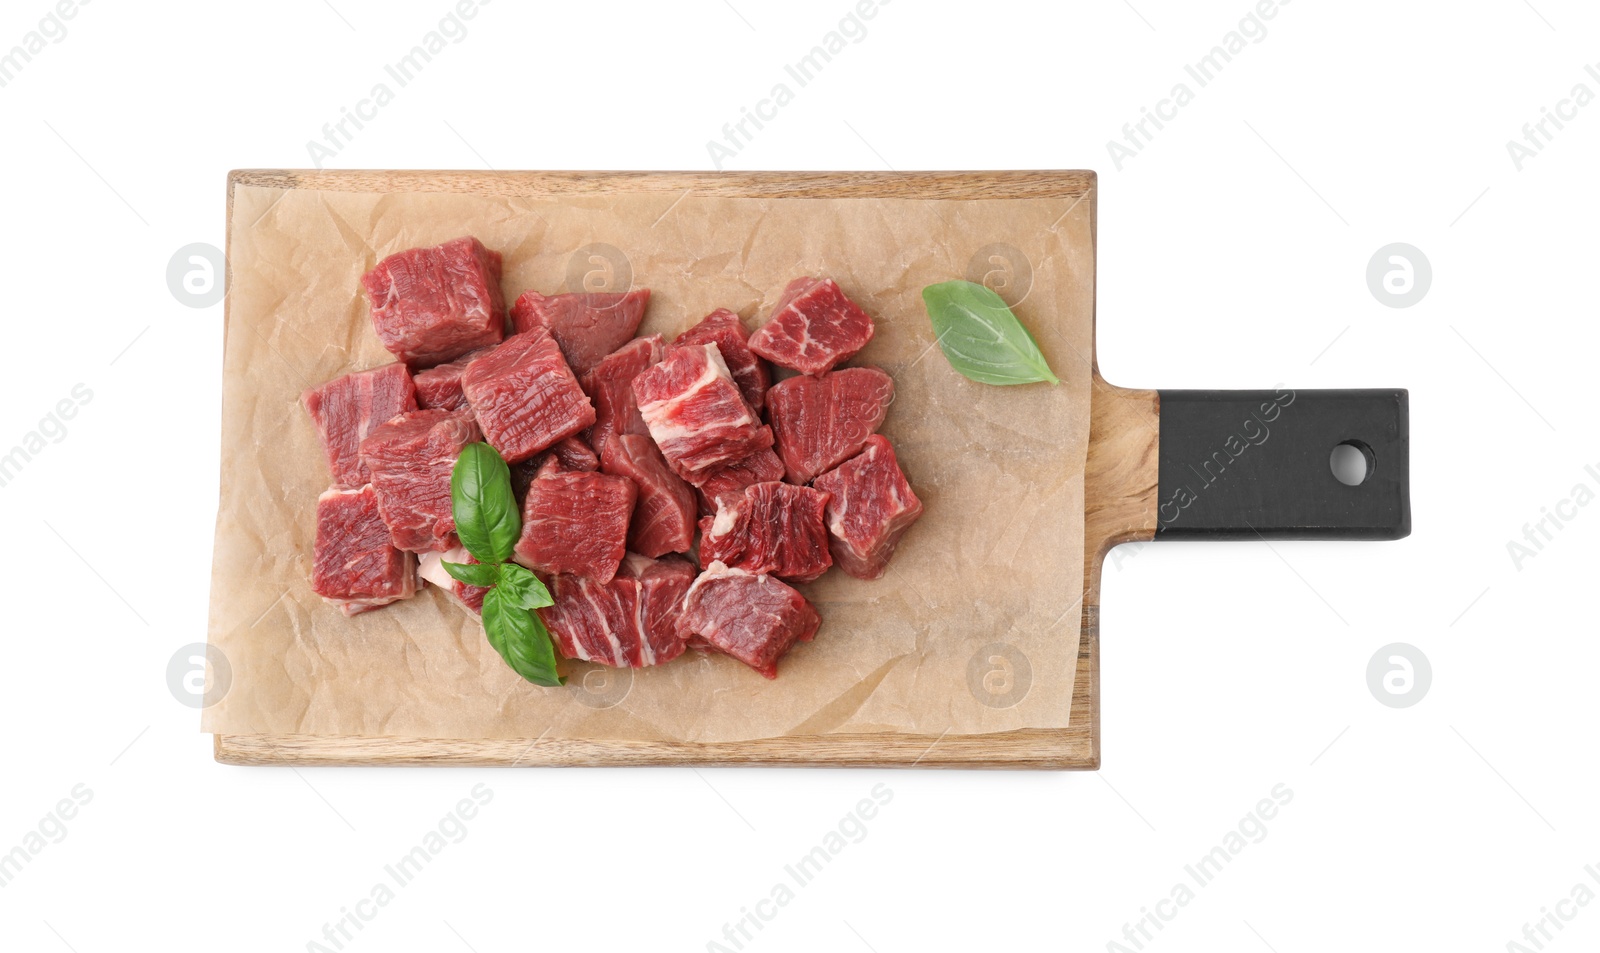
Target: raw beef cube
pixel 356 566
pixel 347 408
pixel 525 396
pixel 662 585
pixel 610 385
pixel 587 326
pixel 751 617
pixel 571 454
pixel 568 454
pixel 431 305
pixel 820 422
pixel 576 523
pixel 728 483
pixel 813 327
pixel 664 517
pixel 776 529
pixel 629 622
pixel 695 412
pixel 430 566
pixel 411 458
pixel 870 508
pixel 724 329
pixel 439 388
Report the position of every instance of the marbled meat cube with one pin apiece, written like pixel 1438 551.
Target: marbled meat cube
pixel 695 412
pixel 776 529
pixel 609 385
pixel 439 388
pixel 870 507
pixel 587 326
pixel 752 617
pixel 431 305
pixel 565 455
pixel 571 454
pixel 525 397
pixel 724 329
pixel 576 522
pixel 347 408
pixel 820 422
pixel 728 482
pixel 355 564
pixel 664 516
pixel 629 622
pixel 411 458
pixel 813 327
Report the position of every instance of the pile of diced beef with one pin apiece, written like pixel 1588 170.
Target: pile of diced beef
pixel 623 450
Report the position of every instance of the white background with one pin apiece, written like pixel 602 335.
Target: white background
pixel 1233 253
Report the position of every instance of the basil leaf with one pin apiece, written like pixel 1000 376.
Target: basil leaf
pixel 473 574
pixel 523 588
pixel 980 336
pixel 485 511
pixel 520 637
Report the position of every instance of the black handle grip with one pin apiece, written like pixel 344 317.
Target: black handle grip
pixel 1248 464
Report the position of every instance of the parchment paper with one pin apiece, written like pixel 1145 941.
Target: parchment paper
pixel 996 558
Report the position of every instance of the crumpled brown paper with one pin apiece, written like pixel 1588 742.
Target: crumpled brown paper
pixel 996 558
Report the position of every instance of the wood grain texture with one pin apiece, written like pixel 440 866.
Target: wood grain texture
pixel 1120 475
pixel 928 185
pixel 1119 492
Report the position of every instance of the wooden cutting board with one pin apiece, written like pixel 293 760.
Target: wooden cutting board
pixel 1136 487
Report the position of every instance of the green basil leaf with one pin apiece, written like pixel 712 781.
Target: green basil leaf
pixel 485 510
pixel 980 336
pixel 520 637
pixel 473 574
pixel 523 588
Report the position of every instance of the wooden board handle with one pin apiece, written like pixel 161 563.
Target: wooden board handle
pixel 1256 464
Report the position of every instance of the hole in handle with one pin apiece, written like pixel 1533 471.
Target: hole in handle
pixel 1351 462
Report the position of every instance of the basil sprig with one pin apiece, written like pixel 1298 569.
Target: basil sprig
pixel 980 336
pixel 488 523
